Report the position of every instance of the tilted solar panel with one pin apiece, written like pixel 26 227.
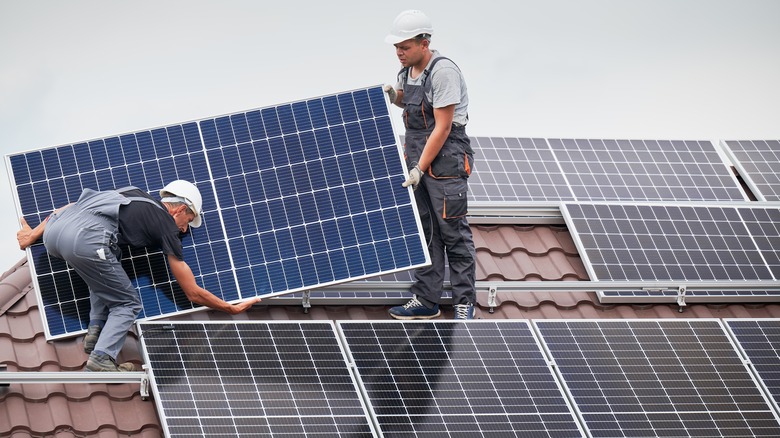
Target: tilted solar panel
pixel 657 378
pixel 760 341
pixel 736 244
pixel 758 161
pixel 438 378
pixel 296 196
pixel 252 379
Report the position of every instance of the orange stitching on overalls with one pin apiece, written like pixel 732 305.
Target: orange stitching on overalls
pixel 466 164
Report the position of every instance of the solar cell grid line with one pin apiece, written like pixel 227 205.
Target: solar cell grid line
pixel 671 377
pixel 759 341
pixel 515 170
pixel 645 170
pixel 252 378
pixel 758 162
pixel 52 177
pixel 458 379
pixel 310 193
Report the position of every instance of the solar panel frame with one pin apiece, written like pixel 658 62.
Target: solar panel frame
pixel 457 378
pixel 246 164
pixel 758 162
pixel 690 380
pixel 280 378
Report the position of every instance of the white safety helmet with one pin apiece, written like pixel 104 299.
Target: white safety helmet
pixel 188 193
pixel 407 25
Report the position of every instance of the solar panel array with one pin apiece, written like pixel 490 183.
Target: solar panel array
pixel 760 341
pixel 734 244
pixel 522 170
pixel 483 378
pixel 296 196
pixel 657 378
pixel 758 162
pixel 252 379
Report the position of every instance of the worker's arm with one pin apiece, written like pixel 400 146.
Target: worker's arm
pixel 27 235
pixel 181 270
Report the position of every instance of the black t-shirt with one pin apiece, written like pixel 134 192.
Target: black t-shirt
pixel 142 224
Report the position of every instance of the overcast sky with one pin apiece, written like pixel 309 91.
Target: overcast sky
pixel 654 69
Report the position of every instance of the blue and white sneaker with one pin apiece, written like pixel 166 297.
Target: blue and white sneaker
pixel 464 311
pixel 414 309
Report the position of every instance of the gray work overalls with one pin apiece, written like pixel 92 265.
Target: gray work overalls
pixel 85 235
pixel 441 198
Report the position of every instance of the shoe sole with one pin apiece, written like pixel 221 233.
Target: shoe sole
pixel 411 317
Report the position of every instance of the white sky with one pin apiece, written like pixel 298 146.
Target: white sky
pixel 654 69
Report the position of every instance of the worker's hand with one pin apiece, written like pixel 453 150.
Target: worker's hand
pixel 390 92
pixel 25 236
pixel 243 306
pixel 415 175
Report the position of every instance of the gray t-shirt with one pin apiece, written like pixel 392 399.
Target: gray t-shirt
pixel 447 87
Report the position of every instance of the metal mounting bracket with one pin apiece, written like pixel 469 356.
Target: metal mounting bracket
pixel 492 303
pixel 681 298
pixel 306 301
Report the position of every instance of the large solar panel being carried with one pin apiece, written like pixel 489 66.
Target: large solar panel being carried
pixel 444 378
pixel 759 339
pixel 296 196
pixel 758 162
pixel 252 379
pixel 655 378
pixel 736 245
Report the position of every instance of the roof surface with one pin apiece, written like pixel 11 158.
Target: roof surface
pixel 504 253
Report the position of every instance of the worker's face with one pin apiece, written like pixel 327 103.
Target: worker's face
pixel 411 52
pixel 183 217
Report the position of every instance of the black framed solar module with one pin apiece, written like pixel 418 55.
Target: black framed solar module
pixel 252 378
pixel 758 162
pixel 670 377
pixel 733 244
pixel 759 342
pixel 455 378
pixel 296 196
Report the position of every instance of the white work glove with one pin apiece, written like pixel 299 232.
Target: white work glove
pixel 390 92
pixel 415 175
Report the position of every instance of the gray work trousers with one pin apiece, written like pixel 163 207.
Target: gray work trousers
pixel 442 206
pixel 88 243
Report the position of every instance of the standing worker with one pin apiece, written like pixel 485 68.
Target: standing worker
pixel 432 92
pixel 87 234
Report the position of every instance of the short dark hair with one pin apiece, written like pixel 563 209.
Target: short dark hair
pixel 423 36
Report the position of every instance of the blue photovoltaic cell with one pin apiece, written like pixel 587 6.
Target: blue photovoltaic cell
pixel 760 340
pixel 279 379
pixel 437 378
pixel 655 378
pixel 758 162
pixel 295 197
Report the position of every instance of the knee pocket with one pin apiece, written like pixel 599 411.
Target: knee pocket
pixel 455 202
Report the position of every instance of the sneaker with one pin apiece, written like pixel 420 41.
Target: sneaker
pixel 414 309
pixel 464 311
pixel 99 361
pixel 91 338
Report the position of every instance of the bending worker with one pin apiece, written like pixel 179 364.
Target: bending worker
pixel 87 235
pixel 432 92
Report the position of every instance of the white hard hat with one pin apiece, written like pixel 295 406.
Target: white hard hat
pixel 187 190
pixel 407 25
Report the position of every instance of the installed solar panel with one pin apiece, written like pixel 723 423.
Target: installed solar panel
pixel 481 378
pixel 760 341
pixel 758 161
pixel 657 378
pixel 645 170
pixel 252 379
pixel 296 196
pixel 686 243
pixel 515 170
